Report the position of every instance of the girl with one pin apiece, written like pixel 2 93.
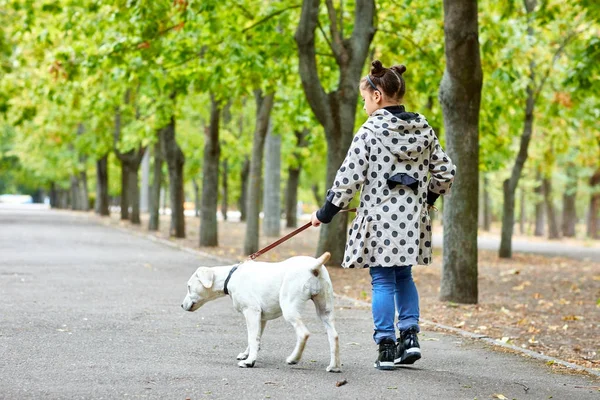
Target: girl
pixel 390 157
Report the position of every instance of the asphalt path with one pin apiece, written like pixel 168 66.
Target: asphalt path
pixel 91 312
pixel 547 248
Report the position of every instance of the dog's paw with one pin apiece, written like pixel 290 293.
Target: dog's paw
pixel 333 369
pixel 291 360
pixel 242 356
pixel 246 364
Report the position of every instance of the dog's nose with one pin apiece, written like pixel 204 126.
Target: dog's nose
pixel 182 305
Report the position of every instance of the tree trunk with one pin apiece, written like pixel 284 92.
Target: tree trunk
pixel 243 201
pixel 263 113
pixel 333 235
pixel 156 184
pixel 175 160
pixel 291 198
pixel 53 195
pixel 271 193
pixel 553 232
pixel 569 219
pixel 225 189
pixel 75 193
pixel 130 164
pixel 165 197
pixel 523 212
pixel 593 230
pixel 124 201
pixel 487 215
pixel 102 186
pixel 316 192
pixel 84 198
pixel 510 185
pixel 145 186
pixel 540 223
pixel 197 200
pixel 335 111
pixel 210 178
pixel 460 97
pixel 63 198
pixel 134 194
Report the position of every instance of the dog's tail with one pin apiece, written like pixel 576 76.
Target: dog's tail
pixel 320 261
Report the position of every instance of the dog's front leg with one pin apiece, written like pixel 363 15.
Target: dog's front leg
pixel 244 355
pixel 253 324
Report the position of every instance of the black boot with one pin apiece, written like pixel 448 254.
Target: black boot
pixel 407 348
pixel 387 350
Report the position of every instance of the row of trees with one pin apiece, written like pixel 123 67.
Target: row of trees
pixel 213 90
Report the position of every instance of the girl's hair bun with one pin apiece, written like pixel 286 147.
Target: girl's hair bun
pixel 377 68
pixel 399 69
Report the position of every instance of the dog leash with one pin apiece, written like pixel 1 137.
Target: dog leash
pixel 288 236
pixel 269 247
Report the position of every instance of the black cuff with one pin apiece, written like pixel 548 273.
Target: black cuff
pixel 431 197
pixel 327 212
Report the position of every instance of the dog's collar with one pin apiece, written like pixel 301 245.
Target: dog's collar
pixel 229 277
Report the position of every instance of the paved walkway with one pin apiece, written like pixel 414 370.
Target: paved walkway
pixel 546 248
pixel 90 312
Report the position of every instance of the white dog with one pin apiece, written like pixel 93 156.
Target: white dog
pixel 263 291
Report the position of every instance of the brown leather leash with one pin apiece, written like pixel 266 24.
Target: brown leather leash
pixel 286 237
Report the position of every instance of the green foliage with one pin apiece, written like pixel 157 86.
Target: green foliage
pixel 66 64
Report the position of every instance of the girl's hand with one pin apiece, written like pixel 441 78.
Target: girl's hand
pixel 314 220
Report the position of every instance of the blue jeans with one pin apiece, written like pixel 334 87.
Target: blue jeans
pixel 393 289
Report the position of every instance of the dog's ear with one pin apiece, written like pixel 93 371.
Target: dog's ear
pixel 206 276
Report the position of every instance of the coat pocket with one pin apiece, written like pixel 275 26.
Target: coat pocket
pixel 425 245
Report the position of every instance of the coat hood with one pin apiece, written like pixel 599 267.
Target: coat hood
pixel 404 134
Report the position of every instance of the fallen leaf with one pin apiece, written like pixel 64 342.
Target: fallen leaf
pixel 510 272
pixel 572 318
pixel 505 311
pixel 499 396
pixel 341 383
pixel 532 340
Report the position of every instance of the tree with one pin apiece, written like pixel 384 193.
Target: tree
pixel 569 218
pixel 264 105
pixel 335 110
pixel 535 85
pixel 272 183
pixel 210 177
pixel 460 96
pixel 294 169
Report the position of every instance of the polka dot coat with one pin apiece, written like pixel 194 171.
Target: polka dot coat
pixel 392 225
